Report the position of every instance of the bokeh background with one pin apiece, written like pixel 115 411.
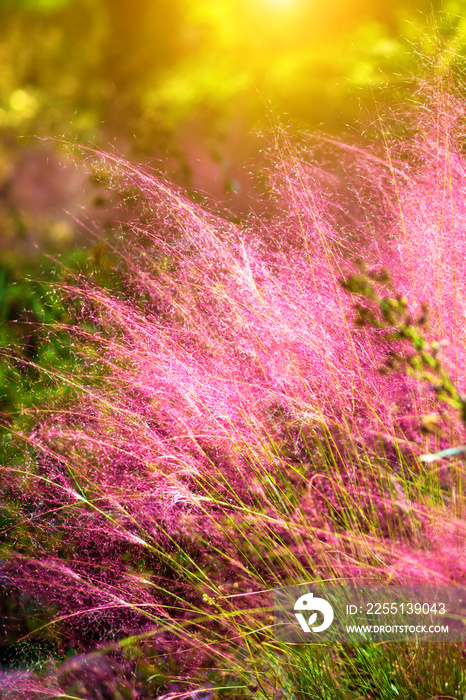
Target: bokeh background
pixel 189 86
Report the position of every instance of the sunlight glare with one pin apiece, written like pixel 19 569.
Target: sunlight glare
pixel 281 3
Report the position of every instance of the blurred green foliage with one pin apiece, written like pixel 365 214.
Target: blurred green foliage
pixel 191 82
pixel 150 73
pixel 49 82
pixel 30 311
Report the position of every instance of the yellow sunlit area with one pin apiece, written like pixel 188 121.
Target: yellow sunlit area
pixel 153 76
pixel 232 349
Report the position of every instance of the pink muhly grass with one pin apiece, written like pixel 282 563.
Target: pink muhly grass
pixel 236 433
